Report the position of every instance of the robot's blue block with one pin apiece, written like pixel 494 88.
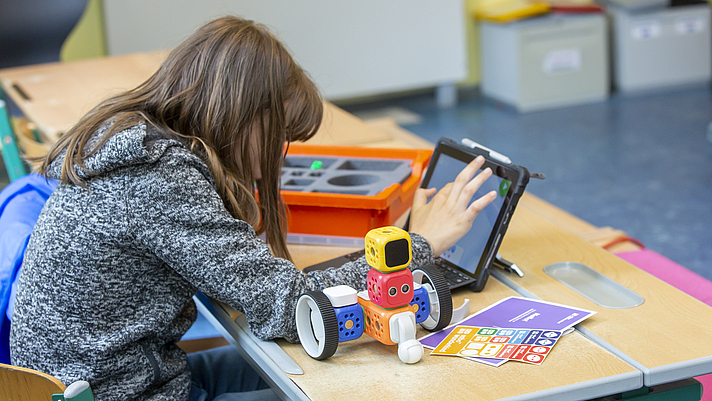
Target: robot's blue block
pixel 420 298
pixel 350 320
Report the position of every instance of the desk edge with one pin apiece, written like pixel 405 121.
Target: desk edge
pixel 678 371
pixel 651 376
pixel 253 354
pixel 588 389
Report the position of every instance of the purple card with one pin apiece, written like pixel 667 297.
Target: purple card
pixel 519 313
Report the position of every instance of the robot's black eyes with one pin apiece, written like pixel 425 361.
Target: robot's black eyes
pixel 392 291
pixel 405 288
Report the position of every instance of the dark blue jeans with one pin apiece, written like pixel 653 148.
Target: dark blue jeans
pixel 221 374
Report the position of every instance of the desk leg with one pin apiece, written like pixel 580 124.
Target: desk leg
pixel 248 349
pixel 10 153
pixel 446 96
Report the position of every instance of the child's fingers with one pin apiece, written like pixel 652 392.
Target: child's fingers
pixel 476 207
pixel 464 177
pixel 444 193
pixel 421 196
pixel 471 188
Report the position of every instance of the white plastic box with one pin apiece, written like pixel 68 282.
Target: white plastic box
pixel 661 48
pixel 546 62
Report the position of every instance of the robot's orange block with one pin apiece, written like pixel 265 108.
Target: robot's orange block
pixel 377 320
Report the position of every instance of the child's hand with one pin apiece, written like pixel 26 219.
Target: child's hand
pixel 446 218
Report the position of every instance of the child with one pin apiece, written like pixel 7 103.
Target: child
pixel 157 200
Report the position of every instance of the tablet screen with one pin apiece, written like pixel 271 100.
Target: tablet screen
pixel 468 251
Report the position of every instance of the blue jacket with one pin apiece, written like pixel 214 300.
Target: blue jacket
pixel 20 204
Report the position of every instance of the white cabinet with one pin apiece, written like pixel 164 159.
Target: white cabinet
pixel 350 48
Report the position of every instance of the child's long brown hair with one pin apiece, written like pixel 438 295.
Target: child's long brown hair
pixel 227 78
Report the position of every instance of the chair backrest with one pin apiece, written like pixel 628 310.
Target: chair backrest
pixel 20 384
pixel 33 31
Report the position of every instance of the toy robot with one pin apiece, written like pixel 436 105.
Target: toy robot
pixel 394 302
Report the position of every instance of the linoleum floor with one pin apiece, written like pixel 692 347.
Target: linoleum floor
pixel 639 163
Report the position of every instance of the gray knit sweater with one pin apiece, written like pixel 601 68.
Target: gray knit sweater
pixel 106 285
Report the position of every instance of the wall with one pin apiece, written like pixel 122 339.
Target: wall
pixel 473 44
pixel 351 49
pixel 87 39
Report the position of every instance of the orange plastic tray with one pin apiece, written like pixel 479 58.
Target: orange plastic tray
pixel 353 215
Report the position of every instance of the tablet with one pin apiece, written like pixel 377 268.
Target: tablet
pixel 468 262
pixel 472 256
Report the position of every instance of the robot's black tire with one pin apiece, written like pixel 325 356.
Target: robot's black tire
pixel 331 325
pixel 442 290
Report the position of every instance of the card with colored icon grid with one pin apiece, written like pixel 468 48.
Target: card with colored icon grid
pixel 524 313
pixel 524 345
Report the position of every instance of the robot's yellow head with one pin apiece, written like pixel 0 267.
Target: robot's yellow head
pixel 388 249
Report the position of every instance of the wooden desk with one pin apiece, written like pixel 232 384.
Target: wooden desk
pixel 668 337
pixel 54 96
pixel 373 371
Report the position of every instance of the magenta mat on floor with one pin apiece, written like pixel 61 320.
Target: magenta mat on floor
pixel 670 272
pixel 679 277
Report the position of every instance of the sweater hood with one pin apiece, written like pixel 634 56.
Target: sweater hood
pixel 139 144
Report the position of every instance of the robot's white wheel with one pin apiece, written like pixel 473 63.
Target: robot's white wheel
pixel 439 295
pixel 410 351
pixel 317 327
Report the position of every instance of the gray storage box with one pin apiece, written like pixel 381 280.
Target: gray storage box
pixel 343 175
pixel 661 48
pixel 546 62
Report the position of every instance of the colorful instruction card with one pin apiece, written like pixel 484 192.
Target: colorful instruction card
pixel 516 312
pixel 524 345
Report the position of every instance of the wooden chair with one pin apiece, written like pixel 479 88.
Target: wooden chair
pixel 20 384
